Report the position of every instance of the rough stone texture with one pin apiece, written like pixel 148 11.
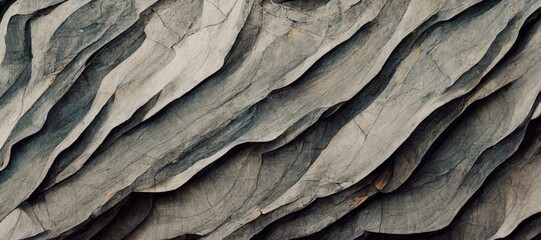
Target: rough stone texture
pixel 270 119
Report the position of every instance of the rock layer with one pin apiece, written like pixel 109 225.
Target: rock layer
pixel 270 119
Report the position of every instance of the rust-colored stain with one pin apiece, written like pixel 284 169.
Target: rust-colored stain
pixel 119 95
pixel 359 199
pixel 51 81
pixel 55 73
pixel 290 32
pixel 59 70
pixel 256 213
pixel 116 97
pixel 312 166
pixel 173 161
pixel 383 179
pixel 110 194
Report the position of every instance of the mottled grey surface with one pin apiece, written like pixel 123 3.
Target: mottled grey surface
pixel 270 119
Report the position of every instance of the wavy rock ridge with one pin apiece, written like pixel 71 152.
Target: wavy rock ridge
pixel 270 119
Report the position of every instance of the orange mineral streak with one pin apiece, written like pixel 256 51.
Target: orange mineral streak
pixel 116 97
pixel 290 32
pixel 358 199
pixel 56 72
pixel 312 166
pixel 51 80
pixel 383 179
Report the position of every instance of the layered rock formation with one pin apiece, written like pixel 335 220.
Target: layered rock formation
pixel 270 119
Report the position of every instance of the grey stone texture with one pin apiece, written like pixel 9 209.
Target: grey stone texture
pixel 270 119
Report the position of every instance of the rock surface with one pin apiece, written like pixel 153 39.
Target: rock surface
pixel 270 119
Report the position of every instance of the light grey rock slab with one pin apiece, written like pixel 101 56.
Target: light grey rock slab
pixel 270 122
pixel 91 229
pixel 13 51
pixel 325 211
pixel 133 174
pixel 409 154
pixel 501 197
pixel 439 205
pixel 34 118
pixel 179 38
pixel 182 114
pixel 269 119
pixel 22 216
pixel 311 84
pixel 73 106
pixel 233 197
pixel 64 64
pixel 363 143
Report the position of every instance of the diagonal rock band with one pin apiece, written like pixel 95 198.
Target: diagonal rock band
pixel 270 119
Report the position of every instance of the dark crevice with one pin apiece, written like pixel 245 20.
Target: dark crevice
pixel 302 5
pixel 77 100
pixel 4 6
pixel 530 226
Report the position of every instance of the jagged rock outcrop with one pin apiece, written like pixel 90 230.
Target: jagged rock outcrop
pixel 270 119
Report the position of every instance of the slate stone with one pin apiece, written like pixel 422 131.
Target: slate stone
pixel 270 119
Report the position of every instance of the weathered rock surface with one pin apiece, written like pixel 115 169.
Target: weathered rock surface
pixel 270 119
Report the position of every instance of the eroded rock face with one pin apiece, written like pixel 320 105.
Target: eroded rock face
pixel 270 119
